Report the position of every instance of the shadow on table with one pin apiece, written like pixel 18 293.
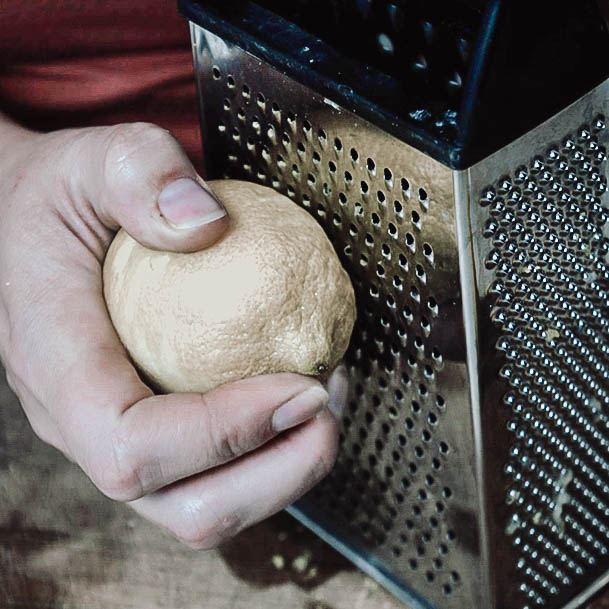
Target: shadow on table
pixel 281 550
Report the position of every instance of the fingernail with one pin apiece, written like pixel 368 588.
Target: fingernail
pixel 300 408
pixel 186 204
pixel 338 389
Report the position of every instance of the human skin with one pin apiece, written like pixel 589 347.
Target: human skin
pixel 203 467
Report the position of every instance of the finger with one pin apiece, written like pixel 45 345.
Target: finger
pixel 206 509
pixel 166 438
pixel 338 390
pixel 138 176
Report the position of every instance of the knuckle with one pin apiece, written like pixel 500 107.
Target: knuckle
pixel 226 441
pixel 128 140
pixel 117 474
pixel 207 531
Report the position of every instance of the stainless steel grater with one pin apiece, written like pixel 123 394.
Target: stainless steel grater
pixel 474 462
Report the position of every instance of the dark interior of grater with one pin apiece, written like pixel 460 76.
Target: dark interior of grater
pixel 456 79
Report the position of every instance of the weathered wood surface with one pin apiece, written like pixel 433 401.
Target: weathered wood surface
pixel 64 545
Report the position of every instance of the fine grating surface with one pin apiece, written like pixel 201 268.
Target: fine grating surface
pixel 549 297
pixel 397 491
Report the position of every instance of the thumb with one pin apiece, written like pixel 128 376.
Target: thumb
pixel 137 176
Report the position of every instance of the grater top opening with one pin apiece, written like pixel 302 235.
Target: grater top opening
pixel 456 79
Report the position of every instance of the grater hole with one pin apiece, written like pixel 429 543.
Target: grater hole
pixel 416 219
pixel 215 71
pixel 428 252
pixel 380 196
pixel 230 81
pixel 392 229
pixel 405 185
pixel 322 136
pixel 354 154
pixel 422 194
pixel 246 93
pixel 338 145
pixel 398 208
pixel 364 187
pixel 371 166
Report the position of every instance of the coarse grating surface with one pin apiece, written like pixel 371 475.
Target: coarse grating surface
pixel 546 225
pixel 400 491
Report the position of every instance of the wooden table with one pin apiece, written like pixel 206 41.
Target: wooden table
pixel 64 545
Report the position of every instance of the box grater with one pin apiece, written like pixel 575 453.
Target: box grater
pixel 456 155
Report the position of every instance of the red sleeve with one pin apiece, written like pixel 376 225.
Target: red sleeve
pixel 94 62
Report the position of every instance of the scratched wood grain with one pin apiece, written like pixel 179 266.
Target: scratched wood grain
pixel 63 545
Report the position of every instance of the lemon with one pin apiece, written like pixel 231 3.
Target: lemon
pixel 270 296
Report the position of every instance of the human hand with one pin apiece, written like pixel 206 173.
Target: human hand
pixel 201 466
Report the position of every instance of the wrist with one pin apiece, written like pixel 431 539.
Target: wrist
pixel 12 137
